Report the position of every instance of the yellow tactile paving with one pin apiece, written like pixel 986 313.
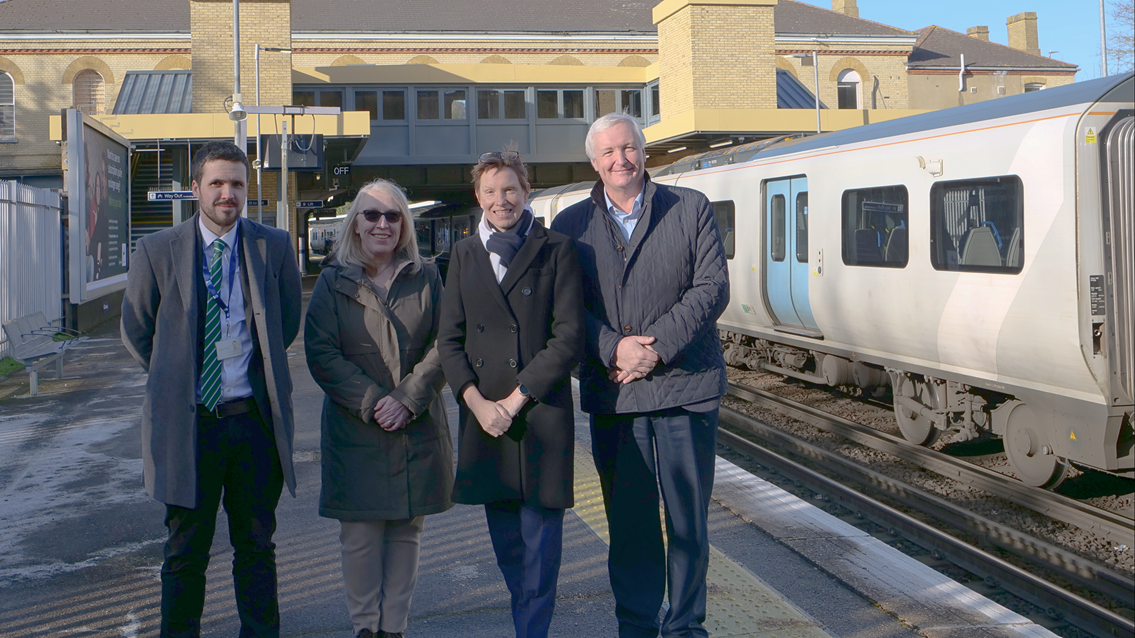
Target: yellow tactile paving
pixel 738 603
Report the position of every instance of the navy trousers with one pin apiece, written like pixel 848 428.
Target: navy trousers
pixel 634 455
pixel 236 456
pixel 528 541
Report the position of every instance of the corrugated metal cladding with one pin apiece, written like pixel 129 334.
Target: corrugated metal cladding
pixel 791 94
pixel 31 254
pixel 155 92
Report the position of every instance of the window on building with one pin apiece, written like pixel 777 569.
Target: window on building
pixel 630 102
pixel 331 98
pixel 655 102
pixel 977 225
pixel 367 101
pixel 725 213
pixel 573 104
pixel 847 90
pixel 776 233
pixel 875 227
pixel 515 105
pixel 488 104
pixel 393 105
pixel 303 98
pixel 89 92
pixel 1033 86
pixel 454 105
pixel 605 102
pixel 547 104
pixel 7 106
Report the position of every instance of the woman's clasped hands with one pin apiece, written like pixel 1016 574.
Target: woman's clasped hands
pixel 390 414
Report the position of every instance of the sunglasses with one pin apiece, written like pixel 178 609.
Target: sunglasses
pixel 392 216
pixel 507 156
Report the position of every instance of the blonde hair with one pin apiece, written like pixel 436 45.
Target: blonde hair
pixel 348 249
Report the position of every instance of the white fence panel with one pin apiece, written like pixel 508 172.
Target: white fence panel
pixel 31 254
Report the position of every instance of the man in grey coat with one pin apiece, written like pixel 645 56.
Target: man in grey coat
pixel 655 281
pixel 211 306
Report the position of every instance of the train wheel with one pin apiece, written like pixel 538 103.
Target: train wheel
pixel 915 428
pixel 1030 452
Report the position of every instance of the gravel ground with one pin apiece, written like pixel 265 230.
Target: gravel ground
pixel 1098 489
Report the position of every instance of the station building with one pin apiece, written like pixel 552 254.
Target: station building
pixel 425 87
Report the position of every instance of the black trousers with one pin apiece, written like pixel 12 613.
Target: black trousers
pixel 635 455
pixel 236 458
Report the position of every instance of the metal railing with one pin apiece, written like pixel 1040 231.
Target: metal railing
pixel 31 254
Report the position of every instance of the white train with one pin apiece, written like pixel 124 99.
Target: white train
pixel 977 259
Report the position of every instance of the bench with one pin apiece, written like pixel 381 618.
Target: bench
pixel 33 343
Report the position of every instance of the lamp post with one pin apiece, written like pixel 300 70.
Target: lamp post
pixel 259 163
pixel 1103 39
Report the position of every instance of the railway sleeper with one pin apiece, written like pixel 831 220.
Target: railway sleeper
pixel 926 408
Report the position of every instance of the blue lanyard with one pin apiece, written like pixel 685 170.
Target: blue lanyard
pixel 233 258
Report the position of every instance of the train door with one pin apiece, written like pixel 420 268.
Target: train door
pixel 786 252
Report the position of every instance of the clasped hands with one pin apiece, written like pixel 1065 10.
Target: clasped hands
pixel 495 417
pixel 390 414
pixel 634 359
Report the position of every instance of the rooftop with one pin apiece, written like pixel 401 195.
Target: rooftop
pixel 940 47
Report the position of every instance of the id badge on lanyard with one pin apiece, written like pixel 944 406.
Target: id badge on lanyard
pixel 230 347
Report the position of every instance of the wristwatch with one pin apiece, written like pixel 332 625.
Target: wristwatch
pixel 524 391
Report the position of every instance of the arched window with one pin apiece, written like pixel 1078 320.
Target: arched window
pixel 1033 86
pixel 89 91
pixel 7 106
pixel 848 91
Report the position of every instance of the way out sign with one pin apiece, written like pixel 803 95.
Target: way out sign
pixel 169 196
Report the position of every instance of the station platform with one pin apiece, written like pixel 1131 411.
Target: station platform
pixel 81 544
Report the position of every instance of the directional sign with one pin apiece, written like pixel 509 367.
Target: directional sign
pixel 310 203
pixel 168 196
pixel 253 202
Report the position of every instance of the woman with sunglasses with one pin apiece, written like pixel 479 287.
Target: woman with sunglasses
pixel 512 330
pixel 370 338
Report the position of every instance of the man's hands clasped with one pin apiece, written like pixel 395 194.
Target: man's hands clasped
pixel 634 359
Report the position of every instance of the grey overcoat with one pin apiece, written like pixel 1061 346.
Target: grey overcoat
pixel 360 349
pixel 162 326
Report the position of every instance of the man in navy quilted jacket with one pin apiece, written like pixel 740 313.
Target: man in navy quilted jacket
pixel 655 282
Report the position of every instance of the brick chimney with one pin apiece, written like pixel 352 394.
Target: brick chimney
pixel 846 7
pixel 1022 32
pixel 981 33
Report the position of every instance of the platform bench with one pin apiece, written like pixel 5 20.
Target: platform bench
pixel 33 343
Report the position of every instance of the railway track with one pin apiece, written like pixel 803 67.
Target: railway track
pixel 1095 613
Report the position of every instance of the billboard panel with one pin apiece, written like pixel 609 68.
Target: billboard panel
pixel 98 190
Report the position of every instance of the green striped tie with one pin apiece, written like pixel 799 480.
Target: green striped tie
pixel 211 367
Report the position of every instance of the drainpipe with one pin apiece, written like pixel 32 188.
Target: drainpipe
pixel 962 75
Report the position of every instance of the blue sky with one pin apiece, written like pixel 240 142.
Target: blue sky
pixel 1070 27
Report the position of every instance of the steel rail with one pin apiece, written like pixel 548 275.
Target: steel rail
pixel 1057 602
pixel 1112 526
pixel 1075 568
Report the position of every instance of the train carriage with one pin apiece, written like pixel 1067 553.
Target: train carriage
pixel 977 260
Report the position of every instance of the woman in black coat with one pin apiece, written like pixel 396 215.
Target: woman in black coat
pixel 511 331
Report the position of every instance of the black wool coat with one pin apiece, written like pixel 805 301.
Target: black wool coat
pixel 529 330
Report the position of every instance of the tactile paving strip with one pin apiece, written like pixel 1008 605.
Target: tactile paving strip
pixel 738 603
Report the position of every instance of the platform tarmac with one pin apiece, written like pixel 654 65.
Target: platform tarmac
pixel 81 543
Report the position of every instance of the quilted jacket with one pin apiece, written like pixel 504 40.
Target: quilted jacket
pixel 670 282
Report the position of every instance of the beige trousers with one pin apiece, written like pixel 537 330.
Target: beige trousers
pixel 380 570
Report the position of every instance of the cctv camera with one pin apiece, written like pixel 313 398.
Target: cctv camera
pixel 238 113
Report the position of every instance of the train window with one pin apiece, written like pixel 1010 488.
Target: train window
pixel 367 101
pixel 977 225
pixel 424 229
pixel 875 227
pixel 802 227
pixel 777 234
pixel 393 105
pixel 725 214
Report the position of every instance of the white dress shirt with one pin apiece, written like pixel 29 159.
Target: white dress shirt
pixel 234 371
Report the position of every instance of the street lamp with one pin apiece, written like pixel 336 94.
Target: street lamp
pixel 804 59
pixel 259 163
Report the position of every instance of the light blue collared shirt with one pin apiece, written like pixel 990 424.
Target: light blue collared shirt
pixel 626 221
pixel 234 371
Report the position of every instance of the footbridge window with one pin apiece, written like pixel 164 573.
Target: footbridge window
pixel 977 225
pixel 875 227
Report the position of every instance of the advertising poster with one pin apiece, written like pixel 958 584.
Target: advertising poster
pixel 106 240
pixel 98 207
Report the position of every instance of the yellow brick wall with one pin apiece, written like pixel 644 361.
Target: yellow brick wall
pixel 315 53
pixel 940 91
pixel 43 64
pixel 264 22
pixel 1023 32
pixel 717 56
pixel 891 92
